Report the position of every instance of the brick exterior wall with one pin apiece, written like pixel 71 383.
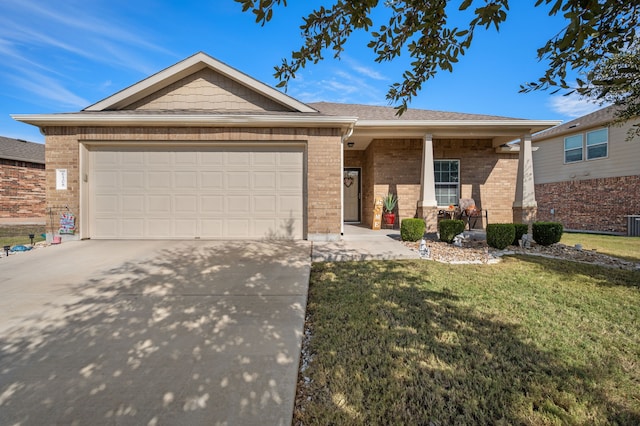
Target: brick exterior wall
pixel 395 166
pixel 322 166
pixel 590 205
pixel 22 190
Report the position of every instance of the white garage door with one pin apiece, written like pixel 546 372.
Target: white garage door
pixel 225 193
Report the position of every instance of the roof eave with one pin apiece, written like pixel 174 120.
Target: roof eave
pixel 204 120
pixel 532 125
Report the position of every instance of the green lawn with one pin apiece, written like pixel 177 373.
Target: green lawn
pixel 623 247
pixel 528 341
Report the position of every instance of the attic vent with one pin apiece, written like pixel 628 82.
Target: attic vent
pixel 574 125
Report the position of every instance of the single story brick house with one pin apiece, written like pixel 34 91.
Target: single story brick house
pixel 202 150
pixel 587 174
pixel 22 181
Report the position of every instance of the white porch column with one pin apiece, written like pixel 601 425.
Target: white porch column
pixel 525 205
pixel 427 205
pixel 427 179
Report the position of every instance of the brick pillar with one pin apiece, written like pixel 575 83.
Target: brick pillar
pixel 525 206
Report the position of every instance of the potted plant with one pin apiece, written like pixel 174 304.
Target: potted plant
pixel 390 202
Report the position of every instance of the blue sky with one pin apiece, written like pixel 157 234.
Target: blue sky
pixel 64 56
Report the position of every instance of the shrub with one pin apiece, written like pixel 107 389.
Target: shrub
pixel 412 229
pixel 500 235
pixel 547 233
pixel 521 229
pixel 449 228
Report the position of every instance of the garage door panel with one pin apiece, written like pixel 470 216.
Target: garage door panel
pixel 210 158
pixel 132 204
pixel 106 180
pixel 133 160
pixel 212 205
pixel 212 180
pixel 211 228
pixel 106 227
pixel 238 204
pixel 216 192
pixel 133 227
pixel 265 204
pixel 160 228
pixel 186 227
pixel 238 181
pixel 186 158
pixel 107 204
pixel 289 181
pixel 269 159
pixel 132 180
pixel 158 204
pixel 186 180
pixel 159 158
pixel 264 181
pixel 239 158
pixel 289 205
pixel 159 180
pixel 186 204
pixel 237 228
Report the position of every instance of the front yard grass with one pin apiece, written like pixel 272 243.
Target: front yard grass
pixel 623 247
pixel 528 341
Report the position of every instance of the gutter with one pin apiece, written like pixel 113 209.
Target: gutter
pixel 178 120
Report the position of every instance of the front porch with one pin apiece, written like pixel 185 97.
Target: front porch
pixel 430 174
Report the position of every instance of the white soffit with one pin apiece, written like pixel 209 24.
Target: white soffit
pixel 185 68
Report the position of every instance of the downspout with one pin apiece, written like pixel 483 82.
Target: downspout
pixel 343 139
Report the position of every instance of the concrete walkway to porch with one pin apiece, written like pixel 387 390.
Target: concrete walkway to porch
pixel 362 243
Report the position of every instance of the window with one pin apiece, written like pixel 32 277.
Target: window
pixel 597 142
pixel 573 148
pixel 447 179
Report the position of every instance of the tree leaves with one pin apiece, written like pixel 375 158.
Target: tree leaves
pixel 595 29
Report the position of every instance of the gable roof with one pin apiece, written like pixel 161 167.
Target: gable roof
pixel 21 150
pixel 184 68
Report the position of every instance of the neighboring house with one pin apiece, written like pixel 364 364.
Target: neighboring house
pixel 22 181
pixel 587 175
pixel 201 150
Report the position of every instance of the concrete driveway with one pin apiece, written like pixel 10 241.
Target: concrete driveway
pixel 152 332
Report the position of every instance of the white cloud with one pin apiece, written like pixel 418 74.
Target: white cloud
pixel 363 70
pixel 47 88
pixel 573 105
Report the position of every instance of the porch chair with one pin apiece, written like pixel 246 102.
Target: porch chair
pixel 470 213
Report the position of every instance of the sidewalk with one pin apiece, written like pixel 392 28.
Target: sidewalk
pixel 362 243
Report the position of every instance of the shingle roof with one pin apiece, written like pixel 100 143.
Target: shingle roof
pixel 596 118
pixel 17 149
pixel 373 112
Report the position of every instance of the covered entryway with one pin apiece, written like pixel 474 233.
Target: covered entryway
pixel 351 182
pixel 219 192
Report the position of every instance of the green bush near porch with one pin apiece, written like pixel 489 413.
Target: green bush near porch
pixel 521 229
pixel 500 235
pixel 412 229
pixel 449 228
pixel 547 233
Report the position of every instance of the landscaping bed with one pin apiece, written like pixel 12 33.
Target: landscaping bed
pixel 477 251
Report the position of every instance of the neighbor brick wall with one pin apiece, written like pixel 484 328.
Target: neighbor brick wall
pixel 395 166
pixel 22 190
pixel 323 161
pixel 590 205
